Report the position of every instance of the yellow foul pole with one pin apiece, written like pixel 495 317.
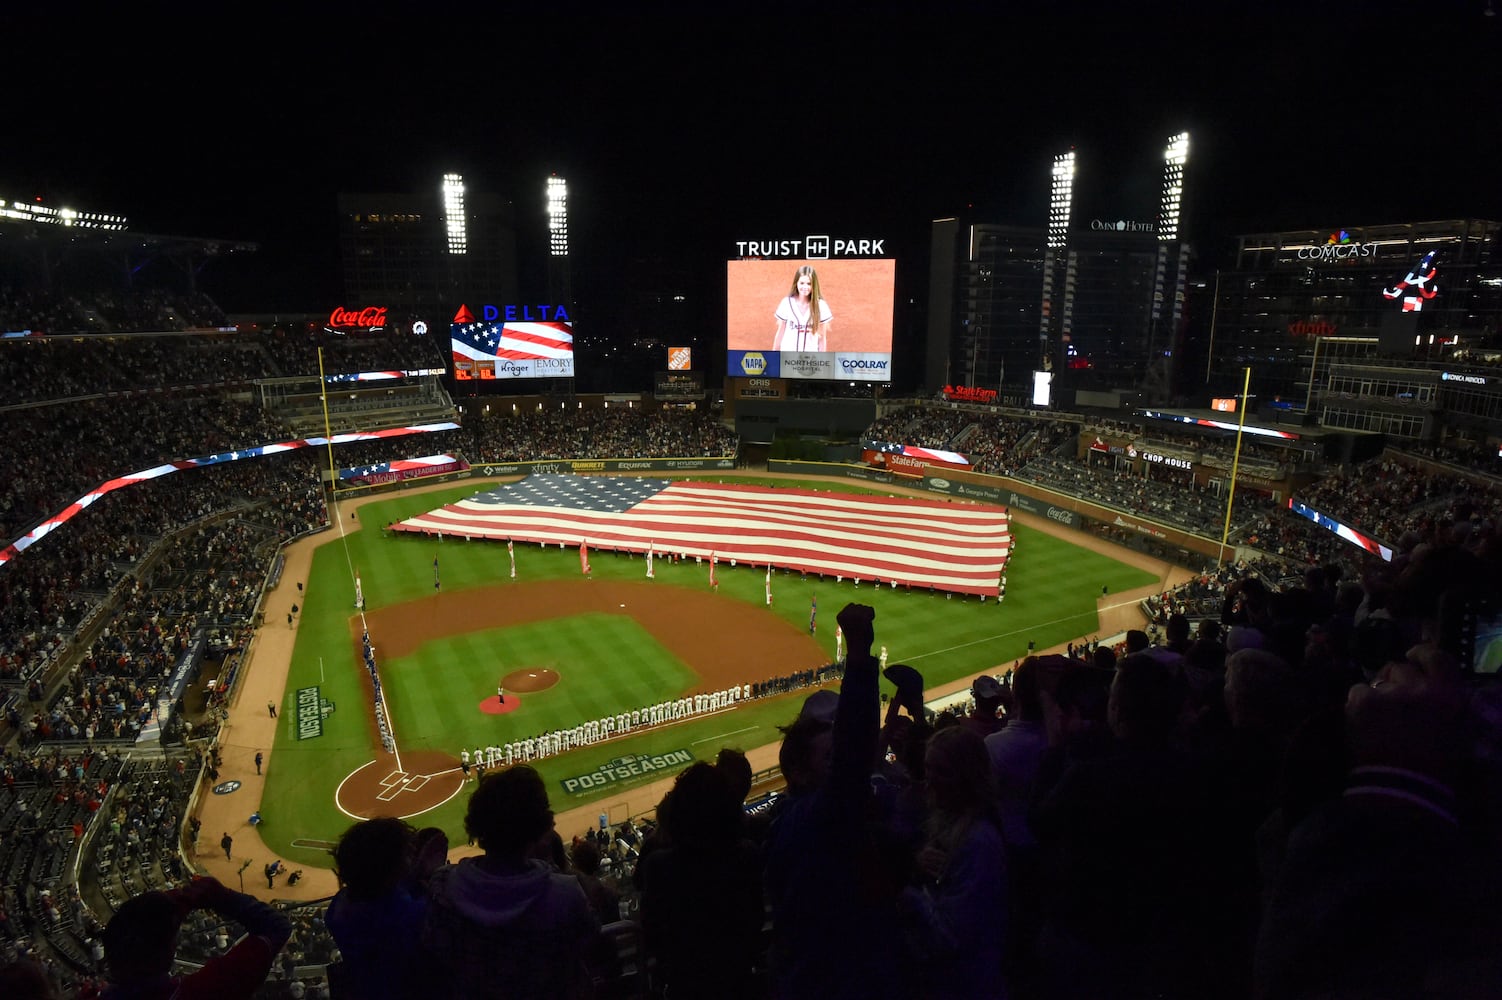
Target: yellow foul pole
pixel 1225 532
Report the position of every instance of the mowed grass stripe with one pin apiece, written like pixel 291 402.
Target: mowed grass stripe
pixel 606 664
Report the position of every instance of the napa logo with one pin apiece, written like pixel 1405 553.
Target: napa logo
pixel 753 363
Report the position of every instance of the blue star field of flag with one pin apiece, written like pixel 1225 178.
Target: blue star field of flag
pixel 603 495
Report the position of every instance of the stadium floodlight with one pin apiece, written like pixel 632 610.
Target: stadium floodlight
pixel 453 211
pixel 1175 156
pixel 22 211
pixel 1061 199
pixel 557 216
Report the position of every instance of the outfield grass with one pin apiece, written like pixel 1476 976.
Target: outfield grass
pixel 1052 588
pixel 606 664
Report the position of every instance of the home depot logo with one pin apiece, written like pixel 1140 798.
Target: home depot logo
pixel 679 358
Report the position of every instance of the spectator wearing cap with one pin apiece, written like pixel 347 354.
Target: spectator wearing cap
pixel 988 694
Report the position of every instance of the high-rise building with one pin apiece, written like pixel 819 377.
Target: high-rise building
pixel 1097 301
pixel 427 253
pixel 1363 327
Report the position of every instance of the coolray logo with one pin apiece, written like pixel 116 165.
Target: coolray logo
pixel 1064 516
pixel 753 363
pixel 939 484
pixel 1121 226
pixel 862 364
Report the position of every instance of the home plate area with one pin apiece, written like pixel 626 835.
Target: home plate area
pixel 424 780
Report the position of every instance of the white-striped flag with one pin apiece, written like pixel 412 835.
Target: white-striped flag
pixel 916 541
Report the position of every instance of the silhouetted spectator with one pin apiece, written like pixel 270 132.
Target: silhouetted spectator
pixel 141 940
pixel 377 916
pixel 505 924
pixel 701 895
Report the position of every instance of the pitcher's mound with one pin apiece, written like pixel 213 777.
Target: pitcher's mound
pixel 529 679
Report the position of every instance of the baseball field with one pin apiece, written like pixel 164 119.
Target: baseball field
pixel 449 625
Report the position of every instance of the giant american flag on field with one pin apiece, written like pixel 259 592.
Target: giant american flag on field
pixel 915 542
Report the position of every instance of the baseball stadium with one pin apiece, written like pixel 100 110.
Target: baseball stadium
pixel 266 585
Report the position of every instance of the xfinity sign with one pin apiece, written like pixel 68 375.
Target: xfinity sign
pixel 812 247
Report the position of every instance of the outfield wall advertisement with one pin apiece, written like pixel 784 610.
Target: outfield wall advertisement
pixel 583 466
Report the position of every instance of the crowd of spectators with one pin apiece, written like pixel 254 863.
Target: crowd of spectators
pixel 572 433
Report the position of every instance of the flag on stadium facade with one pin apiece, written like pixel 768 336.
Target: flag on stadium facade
pixel 435 573
pixel 813 613
pixel 712 581
pixel 839 644
pixel 917 541
pixel 511 554
pixel 649 560
pixel 359 596
pixel 769 585
pixel 583 557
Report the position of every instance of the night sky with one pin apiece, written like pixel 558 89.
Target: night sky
pixel 680 132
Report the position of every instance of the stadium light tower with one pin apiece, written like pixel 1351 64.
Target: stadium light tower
pixel 46 215
pixel 453 211
pixel 1175 157
pixel 1061 200
pixel 557 216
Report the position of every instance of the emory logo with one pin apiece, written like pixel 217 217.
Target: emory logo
pixel 753 363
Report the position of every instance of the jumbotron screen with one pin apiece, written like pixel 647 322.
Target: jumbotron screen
pixel 515 343
pixel 774 330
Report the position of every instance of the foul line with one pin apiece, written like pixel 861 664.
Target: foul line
pixel 721 736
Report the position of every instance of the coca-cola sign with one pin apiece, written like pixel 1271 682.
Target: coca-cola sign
pixel 368 318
